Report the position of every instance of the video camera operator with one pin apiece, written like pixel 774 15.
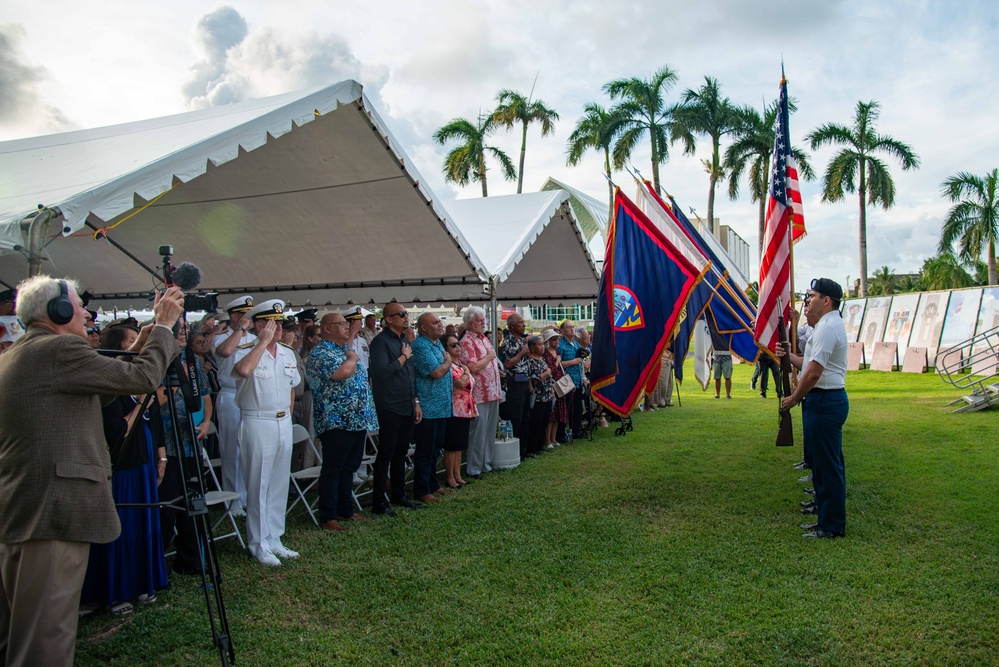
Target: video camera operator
pixel 54 462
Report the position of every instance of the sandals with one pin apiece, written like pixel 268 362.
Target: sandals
pixel 121 608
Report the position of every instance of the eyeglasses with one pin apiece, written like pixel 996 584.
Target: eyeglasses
pixel 342 324
pixel 93 330
pixel 454 344
pixel 402 313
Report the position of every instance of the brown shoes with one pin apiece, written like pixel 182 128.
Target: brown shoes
pixel 429 498
pixel 355 517
pixel 332 524
pixel 444 491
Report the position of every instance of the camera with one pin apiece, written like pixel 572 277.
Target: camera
pixel 582 353
pixel 187 277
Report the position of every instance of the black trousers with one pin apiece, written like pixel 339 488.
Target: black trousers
pixel 518 410
pixel 188 558
pixel 540 415
pixel 342 453
pixel 395 432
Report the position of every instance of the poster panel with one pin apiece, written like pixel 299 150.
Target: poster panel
pixel 929 323
pixel 853 317
pixel 900 318
pixel 874 324
pixel 988 320
pixel 962 316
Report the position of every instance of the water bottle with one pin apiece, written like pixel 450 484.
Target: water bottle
pixel 568 434
pixel 507 430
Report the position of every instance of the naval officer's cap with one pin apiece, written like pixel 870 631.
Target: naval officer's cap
pixel 268 310
pixel 240 304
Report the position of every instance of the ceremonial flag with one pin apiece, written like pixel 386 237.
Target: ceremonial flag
pixel 644 287
pixel 733 312
pixel 783 203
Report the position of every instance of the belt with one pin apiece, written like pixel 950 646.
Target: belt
pixel 265 414
pixel 823 391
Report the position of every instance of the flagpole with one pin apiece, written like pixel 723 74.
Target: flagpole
pixel 790 241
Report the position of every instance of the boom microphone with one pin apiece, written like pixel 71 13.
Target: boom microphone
pixel 187 276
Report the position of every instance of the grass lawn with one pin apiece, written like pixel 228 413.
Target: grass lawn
pixel 677 544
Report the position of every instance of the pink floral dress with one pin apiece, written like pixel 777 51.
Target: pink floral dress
pixel 487 381
pixel 462 402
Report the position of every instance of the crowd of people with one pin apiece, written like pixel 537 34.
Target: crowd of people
pixel 256 371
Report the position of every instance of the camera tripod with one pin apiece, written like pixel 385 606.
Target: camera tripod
pixel 193 504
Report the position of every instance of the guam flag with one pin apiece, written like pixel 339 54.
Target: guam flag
pixel 644 287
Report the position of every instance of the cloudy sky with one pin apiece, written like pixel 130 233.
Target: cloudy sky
pixel 932 65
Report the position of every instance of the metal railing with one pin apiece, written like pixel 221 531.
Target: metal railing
pixel 962 366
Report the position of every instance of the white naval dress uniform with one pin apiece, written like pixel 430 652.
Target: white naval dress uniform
pixel 264 400
pixel 227 413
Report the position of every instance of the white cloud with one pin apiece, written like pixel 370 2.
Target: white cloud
pixel 22 106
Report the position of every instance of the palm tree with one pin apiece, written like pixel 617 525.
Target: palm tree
pixel 705 111
pixel 467 162
pixel 643 110
pixel 514 108
pixel 596 129
pixel 883 282
pixel 910 284
pixel 974 221
pixel 944 272
pixel 752 148
pixel 856 168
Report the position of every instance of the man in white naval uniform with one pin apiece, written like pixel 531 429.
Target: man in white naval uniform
pixel 266 374
pixel 227 412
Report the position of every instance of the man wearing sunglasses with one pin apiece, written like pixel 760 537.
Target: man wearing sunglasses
pixel 393 382
pixel 825 406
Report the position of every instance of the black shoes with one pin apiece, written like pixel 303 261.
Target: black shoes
pixel 801 465
pixel 383 511
pixel 810 510
pixel 809 526
pixel 808 492
pixel 406 502
pixel 825 534
pixel 807 503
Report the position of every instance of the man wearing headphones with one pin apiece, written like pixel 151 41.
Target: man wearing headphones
pixel 54 465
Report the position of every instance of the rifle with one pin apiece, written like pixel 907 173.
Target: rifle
pixel 785 436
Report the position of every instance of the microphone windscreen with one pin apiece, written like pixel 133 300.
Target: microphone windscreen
pixel 187 276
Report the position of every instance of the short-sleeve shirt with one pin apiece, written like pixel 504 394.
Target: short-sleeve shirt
pixel 509 348
pixel 487 381
pixel 542 388
pixel 434 395
pixel 268 389
pixel 462 403
pixel 225 364
pixel 183 417
pixel 339 404
pixel 568 351
pixel 827 345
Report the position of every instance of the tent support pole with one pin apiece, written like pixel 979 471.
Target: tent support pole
pixel 35 229
pixel 492 306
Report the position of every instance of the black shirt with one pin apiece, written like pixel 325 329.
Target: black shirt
pixel 393 384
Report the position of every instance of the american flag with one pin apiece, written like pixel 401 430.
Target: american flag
pixel 783 204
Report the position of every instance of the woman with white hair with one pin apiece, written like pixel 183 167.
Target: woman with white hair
pixel 480 357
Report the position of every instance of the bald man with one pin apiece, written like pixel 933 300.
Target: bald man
pixel 433 389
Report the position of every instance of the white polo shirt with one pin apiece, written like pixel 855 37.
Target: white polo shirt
pixel 827 345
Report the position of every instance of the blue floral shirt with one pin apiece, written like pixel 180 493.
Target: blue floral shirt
pixel 568 352
pixel 345 404
pixel 434 395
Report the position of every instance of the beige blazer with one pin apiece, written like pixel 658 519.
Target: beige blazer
pixel 54 462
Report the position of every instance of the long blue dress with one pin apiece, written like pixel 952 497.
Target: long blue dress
pixel 134 564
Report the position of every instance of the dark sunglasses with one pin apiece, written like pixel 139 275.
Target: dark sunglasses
pixel 401 313
pixel 454 344
pixel 93 330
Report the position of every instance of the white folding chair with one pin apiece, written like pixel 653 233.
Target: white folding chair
pixel 223 498
pixel 364 476
pixel 309 476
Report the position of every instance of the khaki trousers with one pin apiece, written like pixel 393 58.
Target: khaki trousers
pixel 40 584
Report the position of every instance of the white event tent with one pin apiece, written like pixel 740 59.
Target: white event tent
pixel 531 245
pixel 304 196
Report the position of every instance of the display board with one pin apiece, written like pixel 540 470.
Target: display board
pixel 874 324
pixel 853 317
pixel 900 319
pixel 962 316
pixel 929 323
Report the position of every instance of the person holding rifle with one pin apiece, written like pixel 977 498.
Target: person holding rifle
pixel 55 470
pixel 825 406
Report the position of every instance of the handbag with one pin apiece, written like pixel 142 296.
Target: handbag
pixel 564 386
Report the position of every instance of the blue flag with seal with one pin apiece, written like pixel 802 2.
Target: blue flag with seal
pixel 644 287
